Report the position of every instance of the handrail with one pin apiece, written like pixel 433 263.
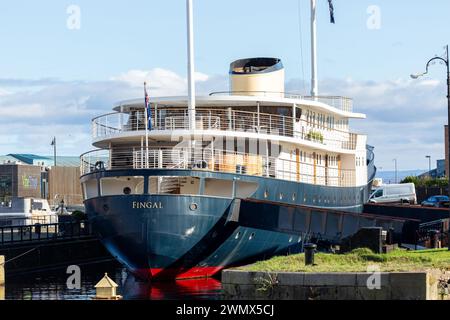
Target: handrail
pixel 215 160
pixel 229 120
pixel 347 106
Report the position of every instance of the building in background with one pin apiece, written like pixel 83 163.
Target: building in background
pixel 33 176
pixel 439 172
pixel 440 169
pixel 18 180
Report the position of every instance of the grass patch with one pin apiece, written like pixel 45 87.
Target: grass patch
pixel 358 261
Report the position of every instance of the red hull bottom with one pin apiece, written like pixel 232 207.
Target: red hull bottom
pixel 178 274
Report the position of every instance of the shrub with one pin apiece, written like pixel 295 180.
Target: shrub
pixel 79 215
pixel 316 136
pixel 427 182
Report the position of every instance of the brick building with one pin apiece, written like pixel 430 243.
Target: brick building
pixel 31 176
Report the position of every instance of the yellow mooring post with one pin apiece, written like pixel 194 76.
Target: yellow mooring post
pixel 106 289
pixel 2 270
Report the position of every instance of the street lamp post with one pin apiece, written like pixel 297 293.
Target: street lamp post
pixel 395 161
pixel 446 61
pixel 53 144
pixel 429 165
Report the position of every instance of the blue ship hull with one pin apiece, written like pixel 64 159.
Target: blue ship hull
pixel 168 236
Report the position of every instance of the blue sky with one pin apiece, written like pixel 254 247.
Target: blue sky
pixel 53 79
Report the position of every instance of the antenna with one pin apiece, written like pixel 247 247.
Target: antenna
pixel 191 66
pixel 314 83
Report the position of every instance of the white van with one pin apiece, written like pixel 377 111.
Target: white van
pixel 390 193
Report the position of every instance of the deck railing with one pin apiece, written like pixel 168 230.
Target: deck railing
pixel 226 120
pixel 338 102
pixel 209 159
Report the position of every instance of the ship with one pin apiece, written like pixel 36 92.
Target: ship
pixel 183 187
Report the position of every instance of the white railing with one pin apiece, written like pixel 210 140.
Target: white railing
pixel 341 103
pixel 209 159
pixel 225 120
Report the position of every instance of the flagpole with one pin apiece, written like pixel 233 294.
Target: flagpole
pixel 191 64
pixel 146 126
pixel 314 83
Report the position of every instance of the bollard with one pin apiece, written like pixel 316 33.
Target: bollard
pixel 310 249
pixel 390 236
pixel 434 238
pixel 2 270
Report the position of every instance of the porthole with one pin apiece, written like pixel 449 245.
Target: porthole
pixel 299 239
pixel 105 208
pixel 252 236
pixel 291 239
pixel 193 207
pixel 266 194
pixel 237 235
pixel 127 190
pixel 294 197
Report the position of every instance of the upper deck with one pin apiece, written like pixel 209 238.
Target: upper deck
pixel 319 122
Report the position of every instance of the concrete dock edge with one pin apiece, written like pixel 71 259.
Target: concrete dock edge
pixel 240 285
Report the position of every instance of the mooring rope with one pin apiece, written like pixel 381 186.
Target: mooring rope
pixel 20 256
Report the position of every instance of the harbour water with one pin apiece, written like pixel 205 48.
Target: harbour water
pixel 52 285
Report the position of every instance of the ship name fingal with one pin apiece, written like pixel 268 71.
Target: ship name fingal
pixel 147 205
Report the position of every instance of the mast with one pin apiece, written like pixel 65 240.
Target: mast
pixel 191 66
pixel 314 83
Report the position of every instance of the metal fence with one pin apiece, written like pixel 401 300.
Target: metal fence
pixel 44 232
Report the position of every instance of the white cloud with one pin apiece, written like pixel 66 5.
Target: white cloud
pixel 405 117
pixel 36 110
pixel 161 82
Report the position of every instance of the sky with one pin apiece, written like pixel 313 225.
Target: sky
pixel 64 62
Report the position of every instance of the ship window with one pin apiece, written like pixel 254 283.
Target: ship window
pixel 298 114
pixel 266 194
pixel 251 236
pixel 174 185
pixel 294 196
pixel 112 186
